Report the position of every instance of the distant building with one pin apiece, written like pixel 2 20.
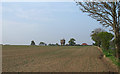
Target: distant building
pixel 62 42
pixel 84 44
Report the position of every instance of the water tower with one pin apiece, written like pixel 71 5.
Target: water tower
pixel 62 42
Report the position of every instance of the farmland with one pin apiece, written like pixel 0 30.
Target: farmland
pixel 53 59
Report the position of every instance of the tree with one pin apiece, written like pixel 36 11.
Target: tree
pixel 95 37
pixel 51 44
pixel 112 44
pixel 57 44
pixel 107 14
pixel 71 42
pixel 32 42
pixel 98 30
pixel 42 43
pixel 105 38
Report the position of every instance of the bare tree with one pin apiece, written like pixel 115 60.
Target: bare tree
pixel 97 30
pixel 107 14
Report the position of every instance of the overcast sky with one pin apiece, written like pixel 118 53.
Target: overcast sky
pixel 45 21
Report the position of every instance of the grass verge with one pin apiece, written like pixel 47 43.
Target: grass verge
pixel 111 55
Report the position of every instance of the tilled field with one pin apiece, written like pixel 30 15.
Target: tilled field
pixel 53 59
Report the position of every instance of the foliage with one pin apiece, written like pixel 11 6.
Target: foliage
pixel 42 43
pixel 51 44
pixel 110 54
pixel 107 14
pixel 57 44
pixel 95 37
pixel 112 44
pixel 105 38
pixel 72 42
pixel 102 39
pixel 32 42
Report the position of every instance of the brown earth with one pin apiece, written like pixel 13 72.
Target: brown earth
pixel 54 59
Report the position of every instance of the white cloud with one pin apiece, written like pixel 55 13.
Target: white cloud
pixel 34 14
pixel 29 14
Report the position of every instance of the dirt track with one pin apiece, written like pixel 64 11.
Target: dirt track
pixel 53 59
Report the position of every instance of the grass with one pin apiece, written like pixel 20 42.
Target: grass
pixel 111 55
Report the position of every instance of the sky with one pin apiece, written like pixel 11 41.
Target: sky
pixel 0 23
pixel 46 22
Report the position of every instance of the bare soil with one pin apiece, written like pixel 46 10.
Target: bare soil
pixel 53 59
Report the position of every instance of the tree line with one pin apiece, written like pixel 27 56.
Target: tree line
pixel 71 42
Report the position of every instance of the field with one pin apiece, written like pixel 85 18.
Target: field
pixel 53 59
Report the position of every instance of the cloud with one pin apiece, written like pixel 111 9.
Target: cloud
pixel 26 13
pixel 34 12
